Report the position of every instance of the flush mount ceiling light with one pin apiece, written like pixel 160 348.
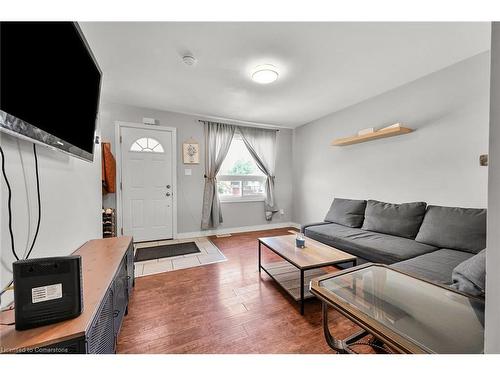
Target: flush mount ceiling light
pixel 265 74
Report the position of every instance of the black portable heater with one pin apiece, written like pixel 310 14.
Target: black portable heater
pixel 47 290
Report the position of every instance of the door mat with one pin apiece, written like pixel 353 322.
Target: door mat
pixel 165 251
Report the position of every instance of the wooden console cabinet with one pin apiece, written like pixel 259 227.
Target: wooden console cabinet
pixel 108 279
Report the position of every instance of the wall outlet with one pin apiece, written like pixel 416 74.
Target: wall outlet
pixel 188 172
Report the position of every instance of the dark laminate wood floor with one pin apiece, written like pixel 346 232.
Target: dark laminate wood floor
pixel 224 308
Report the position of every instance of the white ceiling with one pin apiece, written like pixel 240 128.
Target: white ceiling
pixel 323 67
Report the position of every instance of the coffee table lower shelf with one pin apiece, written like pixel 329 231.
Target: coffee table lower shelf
pixel 299 265
pixel 288 277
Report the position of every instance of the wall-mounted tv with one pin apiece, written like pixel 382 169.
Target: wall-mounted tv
pixel 49 85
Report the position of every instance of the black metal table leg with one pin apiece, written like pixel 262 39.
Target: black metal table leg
pixel 332 342
pixel 259 254
pixel 340 346
pixel 301 292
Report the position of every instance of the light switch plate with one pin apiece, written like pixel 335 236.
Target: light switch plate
pixel 187 172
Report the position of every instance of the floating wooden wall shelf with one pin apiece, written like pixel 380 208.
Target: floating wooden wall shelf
pixel 383 133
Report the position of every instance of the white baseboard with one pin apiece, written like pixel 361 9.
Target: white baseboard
pixel 250 228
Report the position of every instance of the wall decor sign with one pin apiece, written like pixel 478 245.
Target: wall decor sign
pixel 191 152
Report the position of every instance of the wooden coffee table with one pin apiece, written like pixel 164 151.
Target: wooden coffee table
pixel 291 273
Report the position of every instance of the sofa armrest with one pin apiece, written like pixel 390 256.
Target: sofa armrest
pixel 303 227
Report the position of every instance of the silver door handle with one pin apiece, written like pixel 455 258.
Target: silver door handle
pixel 168 194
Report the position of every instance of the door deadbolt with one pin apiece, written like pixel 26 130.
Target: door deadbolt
pixel 168 186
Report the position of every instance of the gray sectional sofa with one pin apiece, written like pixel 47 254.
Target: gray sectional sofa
pixel 432 242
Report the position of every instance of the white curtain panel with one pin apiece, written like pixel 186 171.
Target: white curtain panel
pixel 218 138
pixel 261 144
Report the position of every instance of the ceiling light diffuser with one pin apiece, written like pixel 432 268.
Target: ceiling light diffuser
pixel 265 74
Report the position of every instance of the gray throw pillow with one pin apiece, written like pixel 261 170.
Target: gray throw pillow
pixel 348 212
pixel 401 220
pixel 454 228
pixel 470 276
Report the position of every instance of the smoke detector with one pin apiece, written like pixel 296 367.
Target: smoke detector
pixel 189 60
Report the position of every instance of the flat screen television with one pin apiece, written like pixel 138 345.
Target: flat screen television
pixel 49 85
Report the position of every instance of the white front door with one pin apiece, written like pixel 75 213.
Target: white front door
pixel 147 183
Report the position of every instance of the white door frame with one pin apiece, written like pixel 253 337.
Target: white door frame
pixel 119 196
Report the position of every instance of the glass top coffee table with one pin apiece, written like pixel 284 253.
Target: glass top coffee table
pixel 407 314
pixel 300 265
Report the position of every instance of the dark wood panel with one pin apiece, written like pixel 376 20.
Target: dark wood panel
pixel 225 308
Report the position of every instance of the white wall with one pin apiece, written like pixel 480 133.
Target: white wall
pixel 437 163
pixel 190 188
pixel 70 201
pixel 492 328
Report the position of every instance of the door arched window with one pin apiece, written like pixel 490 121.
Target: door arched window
pixel 146 145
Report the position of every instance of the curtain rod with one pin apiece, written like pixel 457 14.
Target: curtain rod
pixel 243 126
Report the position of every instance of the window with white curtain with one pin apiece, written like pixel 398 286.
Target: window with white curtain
pixel 240 179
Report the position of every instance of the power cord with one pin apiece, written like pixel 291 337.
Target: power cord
pixel 29 210
pixel 10 211
pixel 9 205
pixel 6 289
pixel 39 203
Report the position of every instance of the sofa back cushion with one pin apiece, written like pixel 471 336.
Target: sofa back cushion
pixel 348 212
pixel 454 228
pixel 470 276
pixel 401 220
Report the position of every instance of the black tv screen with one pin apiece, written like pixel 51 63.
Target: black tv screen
pixel 49 85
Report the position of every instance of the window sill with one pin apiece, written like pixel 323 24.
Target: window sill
pixel 242 200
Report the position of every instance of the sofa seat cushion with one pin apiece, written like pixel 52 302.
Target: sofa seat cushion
pixel 348 212
pixel 372 246
pixel 402 220
pixel 454 228
pixel 436 266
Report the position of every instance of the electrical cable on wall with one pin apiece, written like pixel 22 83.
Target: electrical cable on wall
pixel 39 204
pixel 8 287
pixel 29 216
pixel 9 205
